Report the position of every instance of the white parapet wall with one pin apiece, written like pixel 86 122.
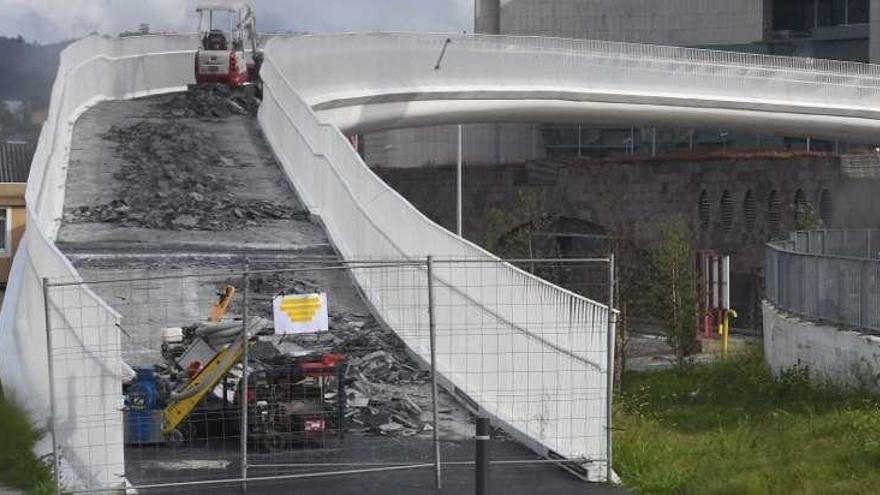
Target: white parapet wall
pixel 85 342
pixel 830 353
pixel 529 354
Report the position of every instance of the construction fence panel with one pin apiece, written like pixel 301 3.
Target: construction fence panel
pixel 548 386
pixel 356 398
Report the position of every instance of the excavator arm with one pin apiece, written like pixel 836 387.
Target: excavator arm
pixel 248 26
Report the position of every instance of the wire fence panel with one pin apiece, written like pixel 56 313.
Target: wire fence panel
pixel 191 379
pixel 827 275
pixel 546 379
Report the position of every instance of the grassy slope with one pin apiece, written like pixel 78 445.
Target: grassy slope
pixel 18 467
pixel 731 429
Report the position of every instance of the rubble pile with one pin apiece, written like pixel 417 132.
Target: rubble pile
pixel 170 180
pixel 208 101
pixel 387 392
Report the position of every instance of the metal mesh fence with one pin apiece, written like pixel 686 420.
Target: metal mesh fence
pixel 831 275
pixel 188 381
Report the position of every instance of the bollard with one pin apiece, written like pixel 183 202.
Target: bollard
pixel 482 457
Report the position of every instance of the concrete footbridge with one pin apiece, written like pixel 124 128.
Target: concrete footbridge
pixel 317 89
pixel 363 82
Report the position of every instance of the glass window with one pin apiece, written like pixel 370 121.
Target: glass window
pixel 3 220
pixel 793 15
pixel 858 11
pixel 831 12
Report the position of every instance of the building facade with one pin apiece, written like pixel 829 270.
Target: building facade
pixel 15 160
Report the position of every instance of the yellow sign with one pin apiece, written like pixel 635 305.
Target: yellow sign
pixel 301 313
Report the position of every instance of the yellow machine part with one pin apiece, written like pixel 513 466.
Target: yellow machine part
pixel 203 382
pixel 222 305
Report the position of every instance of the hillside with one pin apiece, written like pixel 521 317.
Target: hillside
pixel 29 70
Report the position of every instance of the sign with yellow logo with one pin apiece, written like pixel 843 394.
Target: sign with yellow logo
pixel 301 313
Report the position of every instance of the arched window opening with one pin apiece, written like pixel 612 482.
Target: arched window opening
pixel 826 207
pixel 750 211
pixel 774 207
pixel 705 214
pixel 726 211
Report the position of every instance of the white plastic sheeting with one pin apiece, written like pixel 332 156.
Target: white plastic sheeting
pixel 86 343
pixel 387 80
pixel 529 353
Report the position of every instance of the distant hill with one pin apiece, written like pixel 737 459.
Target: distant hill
pixel 28 70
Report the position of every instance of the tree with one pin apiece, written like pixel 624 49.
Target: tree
pixel 672 288
pixel 510 230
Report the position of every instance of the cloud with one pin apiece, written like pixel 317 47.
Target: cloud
pixel 54 20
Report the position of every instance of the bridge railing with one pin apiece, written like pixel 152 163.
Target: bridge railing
pixel 400 63
pixel 827 275
pixel 529 340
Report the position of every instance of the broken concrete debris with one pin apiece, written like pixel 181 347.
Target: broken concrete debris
pixel 387 393
pixel 172 180
pixel 209 101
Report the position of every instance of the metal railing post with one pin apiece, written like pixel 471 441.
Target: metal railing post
pixel 458 200
pixel 609 443
pixel 863 267
pixel 433 340
pixel 56 458
pixel 243 393
pixel 481 474
pixel 341 400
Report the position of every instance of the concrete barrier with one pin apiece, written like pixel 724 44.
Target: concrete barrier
pixel 829 353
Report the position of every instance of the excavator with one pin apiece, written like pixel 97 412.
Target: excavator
pixel 226 29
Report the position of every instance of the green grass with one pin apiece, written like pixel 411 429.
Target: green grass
pixel 19 468
pixel 730 428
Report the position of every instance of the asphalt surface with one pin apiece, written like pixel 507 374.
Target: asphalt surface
pixel 457 472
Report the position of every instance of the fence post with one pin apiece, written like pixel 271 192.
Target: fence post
pixel 481 474
pixel 818 299
pixel 341 400
pixel 56 461
pixel 864 266
pixel 433 339
pixel 869 290
pixel 609 444
pixel 803 277
pixel 243 393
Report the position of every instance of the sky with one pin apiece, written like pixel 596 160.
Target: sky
pixel 48 21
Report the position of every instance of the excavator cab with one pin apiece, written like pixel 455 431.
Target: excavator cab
pixel 225 27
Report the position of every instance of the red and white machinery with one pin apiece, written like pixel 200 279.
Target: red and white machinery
pixel 226 29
